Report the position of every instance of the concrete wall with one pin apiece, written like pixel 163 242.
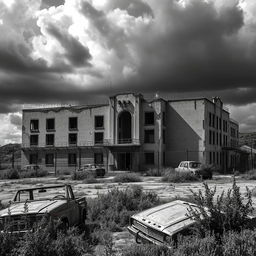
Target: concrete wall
pixel 185 131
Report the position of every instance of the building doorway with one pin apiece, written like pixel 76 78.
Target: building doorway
pixel 124 161
pixel 124 128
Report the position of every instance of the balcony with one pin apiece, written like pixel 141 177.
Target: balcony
pixel 105 142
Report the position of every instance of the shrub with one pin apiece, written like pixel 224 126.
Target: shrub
pixel 8 243
pixel 147 250
pixel 10 174
pixel 81 175
pixel 207 170
pixel 228 212
pixel 127 177
pixel 158 172
pixel 179 177
pixel 45 241
pixel 250 175
pixel 112 210
pixel 33 174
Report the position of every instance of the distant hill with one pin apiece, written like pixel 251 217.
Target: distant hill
pixel 6 154
pixel 248 139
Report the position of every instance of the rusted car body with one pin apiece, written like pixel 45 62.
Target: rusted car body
pixel 94 169
pixel 161 224
pixel 29 206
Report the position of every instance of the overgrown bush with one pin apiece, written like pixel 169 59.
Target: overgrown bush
pixel 179 177
pixel 43 242
pixel 233 244
pixel 250 175
pixel 158 172
pixel 228 211
pixel 15 174
pixel 112 210
pixel 127 177
pixel 8 242
pixel 81 175
pixel 33 174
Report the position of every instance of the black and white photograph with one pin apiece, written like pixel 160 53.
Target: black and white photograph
pixel 127 127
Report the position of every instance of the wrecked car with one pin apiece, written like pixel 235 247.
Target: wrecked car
pixel 29 206
pixel 161 224
pixel 94 169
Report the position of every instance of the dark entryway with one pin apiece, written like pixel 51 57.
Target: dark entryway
pixel 124 161
pixel 124 128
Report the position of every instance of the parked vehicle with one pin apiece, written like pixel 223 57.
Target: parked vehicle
pixel 95 170
pixel 161 224
pixel 29 206
pixel 195 168
pixel 31 167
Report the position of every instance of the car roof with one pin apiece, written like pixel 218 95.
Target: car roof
pixel 169 218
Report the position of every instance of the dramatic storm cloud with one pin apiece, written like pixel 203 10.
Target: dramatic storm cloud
pixel 66 51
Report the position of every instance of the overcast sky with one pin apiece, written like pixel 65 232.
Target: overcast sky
pixel 78 51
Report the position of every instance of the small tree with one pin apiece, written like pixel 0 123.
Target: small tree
pixel 228 211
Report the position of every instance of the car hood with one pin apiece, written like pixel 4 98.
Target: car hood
pixel 168 218
pixel 32 207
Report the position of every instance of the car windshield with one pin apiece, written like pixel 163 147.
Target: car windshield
pixel 194 165
pixel 41 194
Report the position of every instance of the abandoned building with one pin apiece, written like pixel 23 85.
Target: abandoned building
pixel 131 133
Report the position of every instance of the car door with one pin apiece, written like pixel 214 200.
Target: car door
pixel 73 208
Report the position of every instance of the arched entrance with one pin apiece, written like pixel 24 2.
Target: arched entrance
pixel 124 156
pixel 124 128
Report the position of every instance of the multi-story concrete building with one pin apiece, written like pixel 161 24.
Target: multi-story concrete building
pixel 129 133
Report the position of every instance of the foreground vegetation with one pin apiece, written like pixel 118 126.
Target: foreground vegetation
pixel 19 174
pixel 223 231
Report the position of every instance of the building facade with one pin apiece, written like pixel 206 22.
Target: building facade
pixel 130 133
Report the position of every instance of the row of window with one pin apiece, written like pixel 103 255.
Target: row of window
pixel 216 138
pixel 215 157
pixel 217 122
pixel 73 124
pixel 234 133
pixel 72 139
pixel 71 157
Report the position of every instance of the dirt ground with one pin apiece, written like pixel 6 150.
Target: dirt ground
pixel 165 191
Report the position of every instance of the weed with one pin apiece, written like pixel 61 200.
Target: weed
pixel 127 177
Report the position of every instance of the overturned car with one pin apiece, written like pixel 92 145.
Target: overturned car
pixel 161 224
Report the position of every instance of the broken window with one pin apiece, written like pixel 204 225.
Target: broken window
pixel 49 159
pixel 149 158
pixel 99 122
pixel 34 125
pixel 98 137
pixel 50 124
pixel 33 140
pixel 149 118
pixel 72 139
pixel 98 158
pixel 149 136
pixel 72 159
pixel 49 139
pixel 73 123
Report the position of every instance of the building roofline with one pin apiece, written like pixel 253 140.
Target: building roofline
pixel 126 93
pixel 193 99
pixel 57 109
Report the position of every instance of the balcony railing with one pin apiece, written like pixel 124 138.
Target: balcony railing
pixel 105 142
